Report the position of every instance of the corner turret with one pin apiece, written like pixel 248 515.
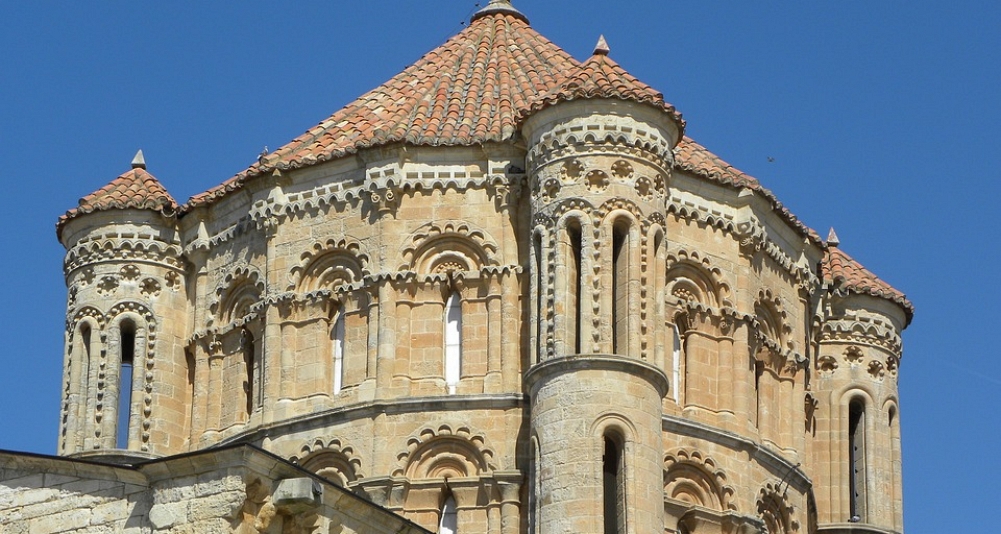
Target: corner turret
pixel 599 162
pixel 858 358
pixel 125 320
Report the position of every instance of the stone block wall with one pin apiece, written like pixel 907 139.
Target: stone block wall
pixel 236 490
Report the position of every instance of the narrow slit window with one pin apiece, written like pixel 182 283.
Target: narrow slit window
pixel 449 523
pixel 856 460
pixel 574 273
pixel 620 285
pixel 128 352
pixel 613 482
pixel 338 346
pixel 534 489
pixel 189 397
pixel 759 371
pixel 676 364
pixel 250 362
pixel 540 312
pixel 453 342
pixel 81 379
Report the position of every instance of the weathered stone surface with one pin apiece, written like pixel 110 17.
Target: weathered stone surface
pixel 543 274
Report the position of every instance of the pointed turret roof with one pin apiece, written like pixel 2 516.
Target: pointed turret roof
pixel 134 189
pixel 467 91
pixel 842 273
pixel 601 77
pixel 499 6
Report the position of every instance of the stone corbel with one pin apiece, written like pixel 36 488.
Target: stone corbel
pixel 696 317
pixel 751 236
pixel 385 198
pixel 294 496
pixel 213 346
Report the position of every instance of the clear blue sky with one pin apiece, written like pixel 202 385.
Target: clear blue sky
pixel 877 115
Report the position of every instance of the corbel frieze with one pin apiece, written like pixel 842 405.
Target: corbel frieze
pixel 203 241
pixel 714 322
pixel 784 362
pixel 754 239
pixel 306 307
pixel 579 136
pixel 862 330
pixel 702 213
pixel 142 249
pixel 208 335
pixel 750 234
pixel 507 188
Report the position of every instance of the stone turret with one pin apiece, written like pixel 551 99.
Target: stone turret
pixel 599 160
pixel 858 357
pixel 125 320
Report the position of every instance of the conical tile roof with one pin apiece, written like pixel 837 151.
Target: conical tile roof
pixel 468 91
pixel 842 273
pixel 134 189
pixel 601 77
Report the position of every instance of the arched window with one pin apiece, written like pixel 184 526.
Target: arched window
pixel 620 287
pixel 449 523
pixel 80 382
pixel 453 341
pixel 337 341
pixel 613 486
pixel 856 460
pixel 128 356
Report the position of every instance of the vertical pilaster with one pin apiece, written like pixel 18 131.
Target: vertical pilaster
pixel 492 381
pixel 510 332
pixel 386 337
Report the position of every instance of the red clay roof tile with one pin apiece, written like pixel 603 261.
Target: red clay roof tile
pixel 601 77
pixel 692 157
pixel 467 91
pixel 135 189
pixel 842 272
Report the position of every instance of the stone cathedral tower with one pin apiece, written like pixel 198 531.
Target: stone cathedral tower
pixel 502 292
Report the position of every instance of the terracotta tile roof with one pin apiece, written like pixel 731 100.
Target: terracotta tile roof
pixel 692 157
pixel 468 91
pixel 841 272
pixel 135 189
pixel 601 77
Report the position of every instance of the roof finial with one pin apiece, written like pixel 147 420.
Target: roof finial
pixel 601 49
pixel 832 239
pixel 139 162
pixel 498 6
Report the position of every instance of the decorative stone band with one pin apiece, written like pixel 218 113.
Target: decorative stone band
pixel 600 362
pixel 853 528
pixel 862 330
pixel 289 302
pixel 143 249
pixel 380 191
pixel 580 135
pixel 412 406
pixel 771 461
pixel 750 233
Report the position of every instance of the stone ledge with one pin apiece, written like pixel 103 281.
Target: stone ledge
pixel 601 362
